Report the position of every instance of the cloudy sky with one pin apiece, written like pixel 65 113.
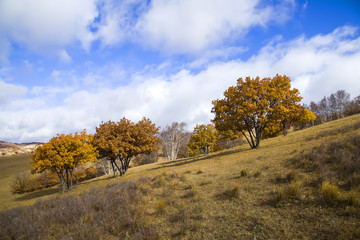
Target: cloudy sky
pixel 68 65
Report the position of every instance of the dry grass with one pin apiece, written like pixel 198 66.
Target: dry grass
pixel 234 194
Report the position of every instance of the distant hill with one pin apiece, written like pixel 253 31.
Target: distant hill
pixel 9 149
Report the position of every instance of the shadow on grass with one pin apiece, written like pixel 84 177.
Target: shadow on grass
pixel 39 194
pixel 54 190
pixel 197 158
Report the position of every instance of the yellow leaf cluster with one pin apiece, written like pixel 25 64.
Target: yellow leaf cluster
pixel 63 153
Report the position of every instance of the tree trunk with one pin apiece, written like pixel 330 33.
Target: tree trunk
pixel 112 165
pixel 67 179
pixel 63 185
pixel 284 128
pixel 119 169
pixel 71 178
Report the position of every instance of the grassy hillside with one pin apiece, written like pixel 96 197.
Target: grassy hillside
pixel 302 186
pixel 9 167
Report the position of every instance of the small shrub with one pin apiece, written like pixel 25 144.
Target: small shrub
pixel 20 183
pixel 199 172
pixel 243 173
pixel 330 193
pixel 231 193
pixel 24 182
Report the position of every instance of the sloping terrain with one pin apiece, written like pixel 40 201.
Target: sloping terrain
pixel 10 149
pixel 302 186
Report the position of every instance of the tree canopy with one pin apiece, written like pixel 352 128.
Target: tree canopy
pixel 125 139
pixel 202 139
pixel 62 154
pixel 254 104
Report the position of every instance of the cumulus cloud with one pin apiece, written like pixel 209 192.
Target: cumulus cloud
pixel 191 26
pixel 318 66
pixel 43 25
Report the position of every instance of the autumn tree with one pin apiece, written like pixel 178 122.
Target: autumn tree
pixel 62 154
pixel 173 138
pixel 124 140
pixel 253 104
pixel 202 139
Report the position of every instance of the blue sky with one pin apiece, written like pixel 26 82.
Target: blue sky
pixel 67 65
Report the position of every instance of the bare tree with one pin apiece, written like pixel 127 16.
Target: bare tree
pixel 333 107
pixel 173 138
pixel 324 110
pixel 343 98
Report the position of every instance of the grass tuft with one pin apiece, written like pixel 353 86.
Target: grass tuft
pixel 330 193
pixel 231 193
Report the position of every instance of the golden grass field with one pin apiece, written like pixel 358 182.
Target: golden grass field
pixel 233 194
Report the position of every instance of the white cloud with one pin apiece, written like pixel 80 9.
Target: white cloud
pixel 191 26
pixel 45 25
pixel 9 92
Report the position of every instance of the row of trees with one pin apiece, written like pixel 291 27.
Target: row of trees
pixel 113 141
pixel 253 109
pixel 335 106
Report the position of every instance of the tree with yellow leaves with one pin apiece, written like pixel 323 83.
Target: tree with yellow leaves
pixel 62 154
pixel 254 104
pixel 124 140
pixel 202 139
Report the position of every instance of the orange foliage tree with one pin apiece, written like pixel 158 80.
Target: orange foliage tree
pixel 62 154
pixel 254 104
pixel 202 139
pixel 124 140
